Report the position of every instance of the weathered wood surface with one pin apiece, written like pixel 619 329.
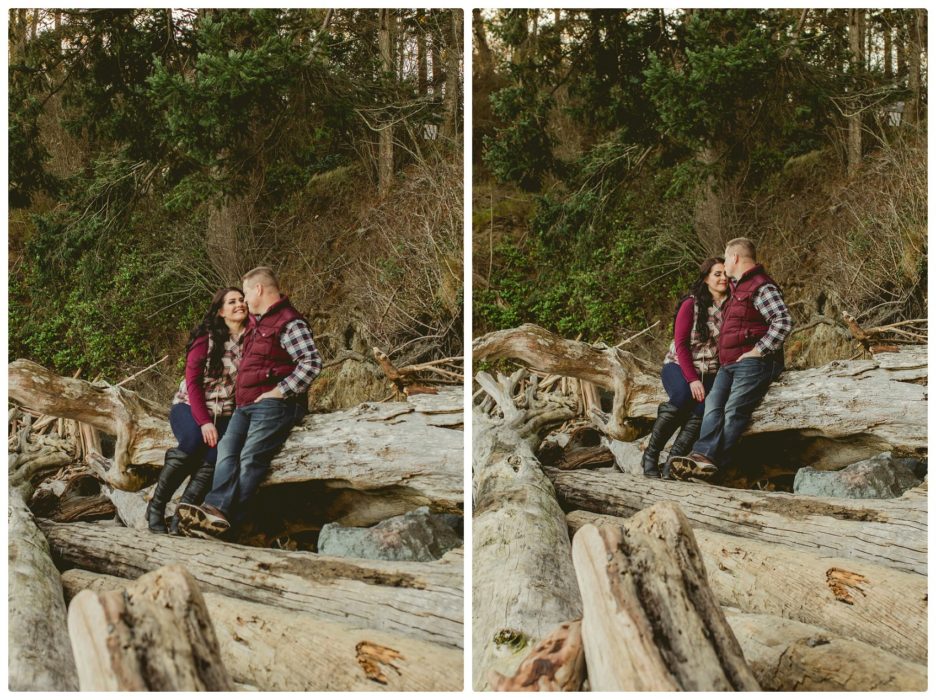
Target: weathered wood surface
pixel 394 457
pixel 555 664
pixel 523 580
pixel 72 495
pixel 838 400
pixel 883 607
pixel 39 653
pixel 889 532
pixel 274 649
pixel 651 622
pixel 421 600
pixel 787 655
pixel 154 634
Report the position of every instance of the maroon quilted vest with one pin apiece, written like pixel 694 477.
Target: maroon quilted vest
pixel 264 362
pixel 742 324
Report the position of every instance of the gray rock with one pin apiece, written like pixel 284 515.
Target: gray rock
pixel 882 476
pixel 416 536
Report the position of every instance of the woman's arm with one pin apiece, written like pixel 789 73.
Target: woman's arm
pixel 682 333
pixel 195 363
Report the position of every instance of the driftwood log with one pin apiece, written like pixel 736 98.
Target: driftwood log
pixel 523 580
pixel 840 402
pixel 883 607
pixel 556 663
pixel 377 460
pixel 155 634
pixel 421 600
pixel 866 530
pixel 788 655
pixel 275 649
pixel 651 621
pixel 40 656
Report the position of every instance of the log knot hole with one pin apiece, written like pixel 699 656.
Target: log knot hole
pixel 371 657
pixel 514 639
pixel 840 581
pixel 514 461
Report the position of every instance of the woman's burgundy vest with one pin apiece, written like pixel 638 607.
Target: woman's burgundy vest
pixel 742 324
pixel 264 362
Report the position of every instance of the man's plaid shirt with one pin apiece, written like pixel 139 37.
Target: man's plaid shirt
pixel 769 303
pixel 296 339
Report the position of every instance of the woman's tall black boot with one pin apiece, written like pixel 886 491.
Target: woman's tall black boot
pixel 173 473
pixel 683 443
pixel 195 491
pixel 668 420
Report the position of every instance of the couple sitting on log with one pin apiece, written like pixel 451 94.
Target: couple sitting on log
pixel 727 349
pixel 245 387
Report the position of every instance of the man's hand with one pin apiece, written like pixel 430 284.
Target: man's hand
pixel 209 434
pixel 273 393
pixel 751 353
pixel 698 390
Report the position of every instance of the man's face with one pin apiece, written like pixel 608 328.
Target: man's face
pixel 731 264
pixel 252 295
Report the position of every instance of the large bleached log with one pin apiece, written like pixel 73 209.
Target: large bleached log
pixel 523 580
pixel 889 532
pixel 40 656
pixel 837 401
pixel 273 649
pixel 421 600
pixel 883 607
pixel 651 621
pixel 155 634
pixel 385 459
pixel 787 655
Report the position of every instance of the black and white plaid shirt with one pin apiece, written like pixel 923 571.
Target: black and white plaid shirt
pixel 770 304
pixel 296 339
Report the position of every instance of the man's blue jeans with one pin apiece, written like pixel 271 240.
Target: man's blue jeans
pixel 738 389
pixel 253 436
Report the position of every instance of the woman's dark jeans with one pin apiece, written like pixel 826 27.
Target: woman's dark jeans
pixel 189 433
pixel 678 388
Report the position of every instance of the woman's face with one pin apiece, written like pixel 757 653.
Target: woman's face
pixel 233 308
pixel 717 279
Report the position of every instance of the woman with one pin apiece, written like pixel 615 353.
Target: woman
pixel 203 405
pixel 690 366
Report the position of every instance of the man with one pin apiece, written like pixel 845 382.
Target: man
pixel 755 323
pixel 279 362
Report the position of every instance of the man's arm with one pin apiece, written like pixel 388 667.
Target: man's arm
pixel 769 303
pixel 296 339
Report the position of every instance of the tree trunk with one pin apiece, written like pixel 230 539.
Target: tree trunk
pixel 385 133
pixel 523 583
pixel 274 649
pixel 153 635
pixel 864 530
pixel 856 63
pixel 845 391
pixel 651 622
pixel 422 64
pixel 483 64
pixel 880 606
pixel 914 110
pixel 392 457
pixel 787 655
pixel 419 600
pixel 40 656
pixel 452 72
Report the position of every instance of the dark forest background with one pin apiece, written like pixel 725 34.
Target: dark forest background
pixel 156 155
pixel 615 149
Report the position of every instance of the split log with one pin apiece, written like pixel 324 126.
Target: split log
pixel 557 663
pixel 523 583
pixel 874 604
pixel 879 403
pixel 273 649
pixel 40 656
pixel 73 494
pixel 155 634
pixel 890 532
pixel 787 655
pixel 421 600
pixel 651 621
pixel 392 457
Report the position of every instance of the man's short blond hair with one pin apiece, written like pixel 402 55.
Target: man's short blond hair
pixel 743 247
pixel 262 275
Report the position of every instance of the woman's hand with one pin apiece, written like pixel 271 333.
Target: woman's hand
pixel 698 391
pixel 209 434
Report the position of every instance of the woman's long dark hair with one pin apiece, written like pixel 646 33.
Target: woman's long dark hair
pixel 215 328
pixel 703 297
